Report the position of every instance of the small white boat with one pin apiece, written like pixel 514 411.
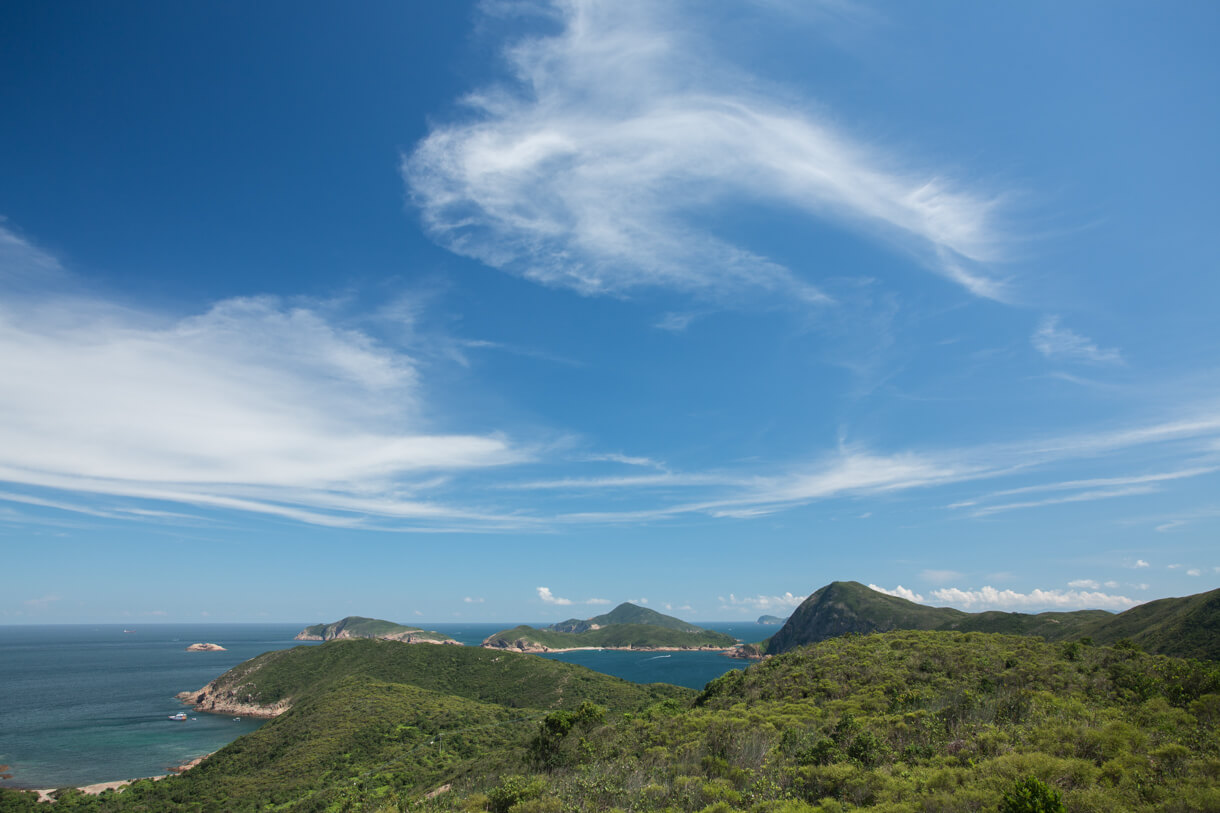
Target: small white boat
pixel 179 716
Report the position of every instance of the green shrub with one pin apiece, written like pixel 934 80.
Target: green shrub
pixel 1031 795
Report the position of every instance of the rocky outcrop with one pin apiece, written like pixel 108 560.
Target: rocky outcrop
pixel 410 637
pixel 213 699
pixel 206 648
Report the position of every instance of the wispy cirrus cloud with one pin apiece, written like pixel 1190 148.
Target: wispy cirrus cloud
pixel 252 404
pixel 600 163
pixel 1057 342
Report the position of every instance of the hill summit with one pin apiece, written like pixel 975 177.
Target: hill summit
pixel 625 613
pixel 1184 627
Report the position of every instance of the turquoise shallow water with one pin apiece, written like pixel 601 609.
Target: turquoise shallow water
pixel 90 703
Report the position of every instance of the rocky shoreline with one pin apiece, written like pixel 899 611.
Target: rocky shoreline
pixel 533 647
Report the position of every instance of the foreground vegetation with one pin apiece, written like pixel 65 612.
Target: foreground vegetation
pixel 902 721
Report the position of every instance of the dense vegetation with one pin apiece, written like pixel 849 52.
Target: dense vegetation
pixel 902 721
pixel 1186 627
pixel 355 626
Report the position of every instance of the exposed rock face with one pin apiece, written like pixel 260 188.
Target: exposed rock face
pixel 205 648
pixel 213 700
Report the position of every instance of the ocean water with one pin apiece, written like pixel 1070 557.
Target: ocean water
pixel 91 703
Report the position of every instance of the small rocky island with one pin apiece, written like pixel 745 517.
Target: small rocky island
pixel 206 648
pixel 627 626
pixel 355 626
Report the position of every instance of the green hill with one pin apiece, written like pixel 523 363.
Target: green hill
pixel 1187 627
pixel 899 722
pixel 1184 627
pixel 625 613
pixel 840 608
pixel 770 620
pixel 627 626
pixel 355 626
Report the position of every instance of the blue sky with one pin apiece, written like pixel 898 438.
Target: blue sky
pixel 516 310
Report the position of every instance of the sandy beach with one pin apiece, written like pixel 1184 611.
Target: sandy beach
pixel 44 794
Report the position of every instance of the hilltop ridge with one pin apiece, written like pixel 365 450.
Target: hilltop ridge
pixel 1184 627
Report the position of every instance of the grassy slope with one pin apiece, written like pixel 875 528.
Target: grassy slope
pixel 1188 627
pixel 618 635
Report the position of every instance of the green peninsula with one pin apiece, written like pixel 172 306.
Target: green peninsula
pixel 627 626
pixel 355 626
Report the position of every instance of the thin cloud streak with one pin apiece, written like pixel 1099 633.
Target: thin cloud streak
pixel 252 405
pixel 570 181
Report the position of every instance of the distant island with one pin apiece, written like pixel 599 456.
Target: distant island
pixel 206 648
pixel 355 626
pixel 627 626
pixel 770 620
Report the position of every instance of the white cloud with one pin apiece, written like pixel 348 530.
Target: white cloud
pixel 1194 571
pixel 1140 563
pixel 1057 342
pixel 899 591
pixel 548 597
pixel 1173 567
pixel 761 603
pixel 989 598
pixel 1110 585
pixel 592 169
pixel 1083 496
pixel 472 600
pixel 251 405
pixel 1087 584
pixel 1169 526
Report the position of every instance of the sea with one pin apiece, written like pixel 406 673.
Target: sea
pixel 91 703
